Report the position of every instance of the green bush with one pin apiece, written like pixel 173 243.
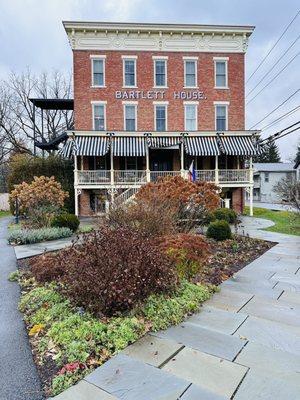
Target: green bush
pixel 66 221
pixel 28 236
pixel 23 168
pixel 219 230
pixel 225 214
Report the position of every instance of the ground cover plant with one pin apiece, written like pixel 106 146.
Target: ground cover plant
pixel 285 221
pixel 4 213
pixel 30 236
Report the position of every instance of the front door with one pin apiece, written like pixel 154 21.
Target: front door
pixel 161 160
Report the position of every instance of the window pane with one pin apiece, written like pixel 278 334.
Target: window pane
pixel 98 76
pixel 220 74
pixel 130 118
pixel 221 118
pixel 190 67
pixel 221 111
pixel 160 73
pixel 99 117
pixel 160 118
pixel 129 73
pixel 190 118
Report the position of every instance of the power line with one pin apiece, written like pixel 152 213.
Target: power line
pixel 269 52
pixel 274 65
pixel 274 77
pixel 275 109
pixel 276 135
pixel 281 118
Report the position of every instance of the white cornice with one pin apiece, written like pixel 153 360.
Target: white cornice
pixel 157 37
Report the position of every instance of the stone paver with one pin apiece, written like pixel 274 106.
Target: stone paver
pixel 198 393
pixel 30 250
pixel 229 300
pixel 261 289
pixel 129 379
pixel 257 386
pixel 206 340
pixel 153 350
pixel 270 333
pixel 212 373
pixel 274 362
pixel 273 310
pixel 218 319
pixel 84 391
pixel 288 287
pixel 290 297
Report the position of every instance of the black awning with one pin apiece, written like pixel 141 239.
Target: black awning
pixel 159 142
pixel 202 146
pixel 129 146
pixel 85 146
pixel 237 145
pixel 53 104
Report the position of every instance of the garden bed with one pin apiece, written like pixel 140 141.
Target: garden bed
pixel 68 343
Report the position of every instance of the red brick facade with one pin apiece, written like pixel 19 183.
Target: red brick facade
pixel 84 93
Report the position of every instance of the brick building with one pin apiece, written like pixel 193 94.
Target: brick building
pixel 151 100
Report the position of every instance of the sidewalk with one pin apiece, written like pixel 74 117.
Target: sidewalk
pixel 243 345
pixel 18 376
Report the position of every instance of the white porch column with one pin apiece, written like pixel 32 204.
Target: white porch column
pixel 182 160
pixel 217 170
pixel 148 176
pixel 76 184
pixel 112 180
pixel 251 188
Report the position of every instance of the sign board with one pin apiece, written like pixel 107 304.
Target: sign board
pixel 158 95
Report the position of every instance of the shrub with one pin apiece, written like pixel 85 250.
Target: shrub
pixel 225 214
pixel 188 252
pixel 28 236
pixel 190 201
pixel 219 230
pixel 23 168
pixel 40 199
pixel 152 219
pixel 70 221
pixel 111 270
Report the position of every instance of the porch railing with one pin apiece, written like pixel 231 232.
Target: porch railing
pixel 137 177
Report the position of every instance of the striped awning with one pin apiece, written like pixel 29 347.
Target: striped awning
pixel 86 146
pixel 129 146
pixel 202 146
pixel 237 145
pixel 158 142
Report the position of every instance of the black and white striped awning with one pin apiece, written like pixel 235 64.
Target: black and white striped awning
pixel 129 146
pixel 159 142
pixel 237 145
pixel 86 146
pixel 202 146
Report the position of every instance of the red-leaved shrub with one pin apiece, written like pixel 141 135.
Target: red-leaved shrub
pixel 189 253
pixel 110 270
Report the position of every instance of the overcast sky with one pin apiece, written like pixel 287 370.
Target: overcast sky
pixel 31 34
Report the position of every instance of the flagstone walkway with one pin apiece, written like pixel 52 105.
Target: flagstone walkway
pixel 243 345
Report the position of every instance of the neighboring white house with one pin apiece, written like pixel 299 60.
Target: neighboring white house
pixel 297 169
pixel 266 176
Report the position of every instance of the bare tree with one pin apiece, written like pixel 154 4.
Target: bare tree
pixel 289 190
pixel 17 112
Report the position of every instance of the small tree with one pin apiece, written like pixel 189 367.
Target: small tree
pixel 40 199
pixel 289 190
pixel 297 158
pixel 270 154
pixel 191 202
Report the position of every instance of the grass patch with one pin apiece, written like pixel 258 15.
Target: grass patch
pixel 285 221
pixel 4 214
pixel 69 343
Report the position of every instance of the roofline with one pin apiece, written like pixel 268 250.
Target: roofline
pixel 159 134
pixel 156 27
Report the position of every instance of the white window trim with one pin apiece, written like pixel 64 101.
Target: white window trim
pixel 221 103
pixel 98 103
pixel 190 103
pixel 224 59
pixel 161 103
pixel 195 61
pixel 130 103
pixel 165 59
pixel 130 58
pixel 97 57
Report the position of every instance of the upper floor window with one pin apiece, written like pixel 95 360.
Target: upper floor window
pixel 221 78
pixel 190 117
pixel 99 117
pixel 160 72
pixel 221 117
pixel 160 117
pixel 190 73
pixel 266 176
pixel 98 71
pixel 130 114
pixel 129 72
